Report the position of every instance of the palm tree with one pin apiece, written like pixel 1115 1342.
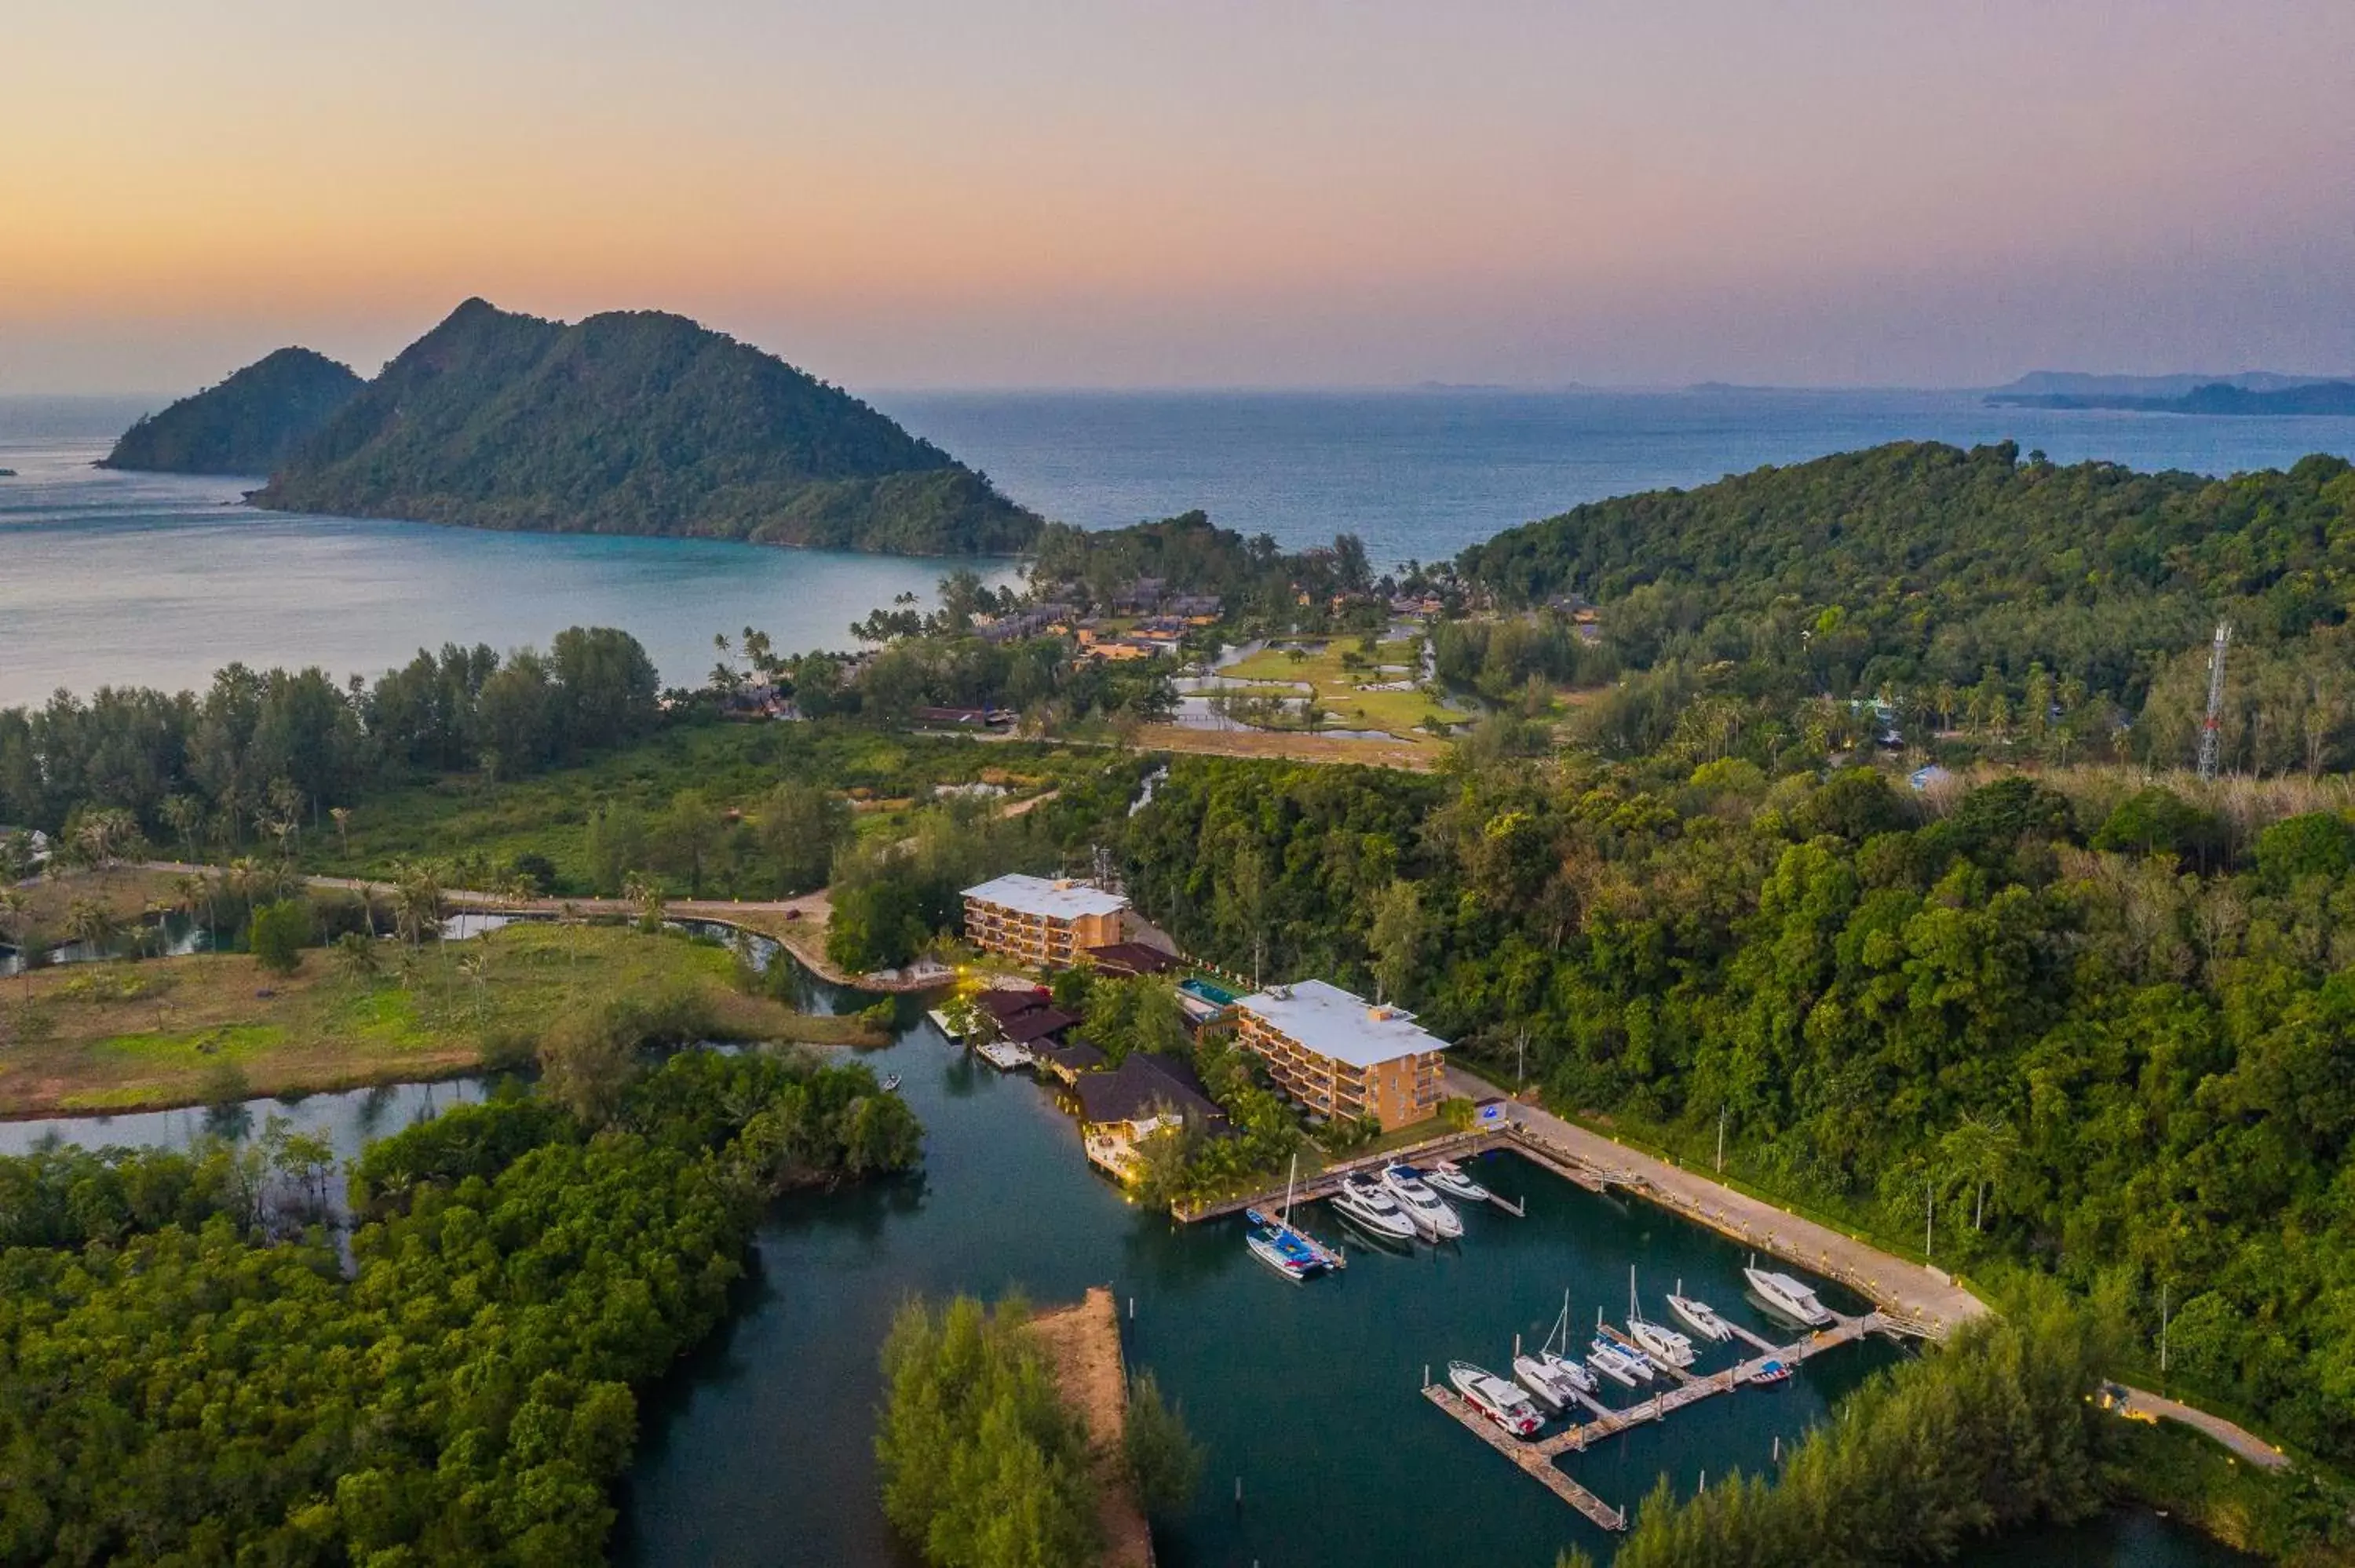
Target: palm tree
pixel 1981 1154
pixel 647 895
pixel 91 922
pixel 416 901
pixel 244 876
pixel 568 918
pixel 185 815
pixel 473 966
pixel 355 955
pixel 343 819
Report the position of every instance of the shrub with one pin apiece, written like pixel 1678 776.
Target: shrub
pixel 279 933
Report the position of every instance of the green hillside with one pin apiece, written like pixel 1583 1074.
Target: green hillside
pixel 248 424
pixel 637 422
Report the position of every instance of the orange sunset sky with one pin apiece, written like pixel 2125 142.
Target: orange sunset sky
pixel 996 193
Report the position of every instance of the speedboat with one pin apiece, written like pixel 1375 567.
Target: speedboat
pixel 1448 1177
pixel 1501 1402
pixel 1280 1250
pixel 889 1085
pixel 1431 1217
pixel 1372 1210
pixel 1771 1372
pixel 1616 1363
pixel 1788 1296
pixel 1661 1342
pixel 1700 1315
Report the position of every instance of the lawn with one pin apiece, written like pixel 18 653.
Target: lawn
pixel 124 1036
pixel 1335 685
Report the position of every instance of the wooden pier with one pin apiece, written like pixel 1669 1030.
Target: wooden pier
pixel 1531 1459
pixel 1327 1181
pixel 1537 1458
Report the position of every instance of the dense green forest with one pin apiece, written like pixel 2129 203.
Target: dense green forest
pixel 1947 582
pixel 249 424
pixel 635 422
pixel 2104 1031
pixel 187 1379
pixel 265 754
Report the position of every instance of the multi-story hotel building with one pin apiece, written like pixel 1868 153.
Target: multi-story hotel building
pixel 1341 1055
pixel 1036 920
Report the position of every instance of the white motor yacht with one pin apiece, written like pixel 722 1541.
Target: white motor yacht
pixel 1788 1296
pixel 1449 1178
pixel 1372 1210
pixel 1431 1217
pixel 1501 1402
pixel 1698 1316
pixel 1661 1342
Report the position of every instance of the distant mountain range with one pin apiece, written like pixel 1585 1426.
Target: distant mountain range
pixel 249 424
pixel 2250 392
pixel 630 422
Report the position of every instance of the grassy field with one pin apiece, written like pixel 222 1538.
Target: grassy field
pixel 1293 746
pixel 1335 687
pixel 122 1036
pixel 461 817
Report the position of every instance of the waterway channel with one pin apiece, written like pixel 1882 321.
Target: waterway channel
pixel 758 1450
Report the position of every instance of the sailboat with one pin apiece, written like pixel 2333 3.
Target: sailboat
pixel 1283 1245
pixel 1659 1341
pixel 1550 1374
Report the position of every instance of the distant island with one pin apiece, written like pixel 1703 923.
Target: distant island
pixel 250 423
pixel 641 423
pixel 2089 384
pixel 2250 395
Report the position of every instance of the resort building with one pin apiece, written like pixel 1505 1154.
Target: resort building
pixel 1341 1055
pixel 1035 920
pixel 1145 1094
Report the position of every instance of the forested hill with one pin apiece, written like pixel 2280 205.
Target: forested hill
pixel 248 424
pixel 2328 397
pixel 637 422
pixel 1915 564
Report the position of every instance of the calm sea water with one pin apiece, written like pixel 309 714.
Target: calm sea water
pixel 158 580
pixel 759 1449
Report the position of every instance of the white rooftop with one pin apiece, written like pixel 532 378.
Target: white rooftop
pixel 1057 900
pixel 1336 1023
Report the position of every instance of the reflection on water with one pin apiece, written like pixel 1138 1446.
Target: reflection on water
pixel 164 936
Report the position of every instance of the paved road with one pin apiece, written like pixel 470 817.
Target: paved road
pixel 2240 1440
pixel 1902 1288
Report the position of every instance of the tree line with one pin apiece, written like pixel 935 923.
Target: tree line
pixel 264 754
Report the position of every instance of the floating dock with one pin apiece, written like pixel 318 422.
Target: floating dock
pixel 1537 1458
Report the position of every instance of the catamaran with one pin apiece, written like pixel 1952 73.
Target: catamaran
pixel 1431 1217
pixel 1788 1296
pixel 1371 1209
pixel 1615 1361
pixel 1281 1249
pixel 1492 1396
pixel 1283 1245
pixel 1657 1341
pixel 1449 1178
pixel 1700 1315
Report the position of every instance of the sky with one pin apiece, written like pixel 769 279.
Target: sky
pixel 903 194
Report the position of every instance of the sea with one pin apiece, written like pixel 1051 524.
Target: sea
pixel 160 579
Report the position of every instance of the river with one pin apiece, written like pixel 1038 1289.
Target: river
pixel 758 1449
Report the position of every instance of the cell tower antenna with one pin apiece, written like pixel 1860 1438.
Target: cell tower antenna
pixel 2212 727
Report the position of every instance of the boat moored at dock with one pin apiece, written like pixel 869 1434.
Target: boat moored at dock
pixel 1505 1403
pixel 1372 1210
pixel 1446 1176
pixel 1616 1363
pixel 1698 1316
pixel 1434 1218
pixel 1788 1296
